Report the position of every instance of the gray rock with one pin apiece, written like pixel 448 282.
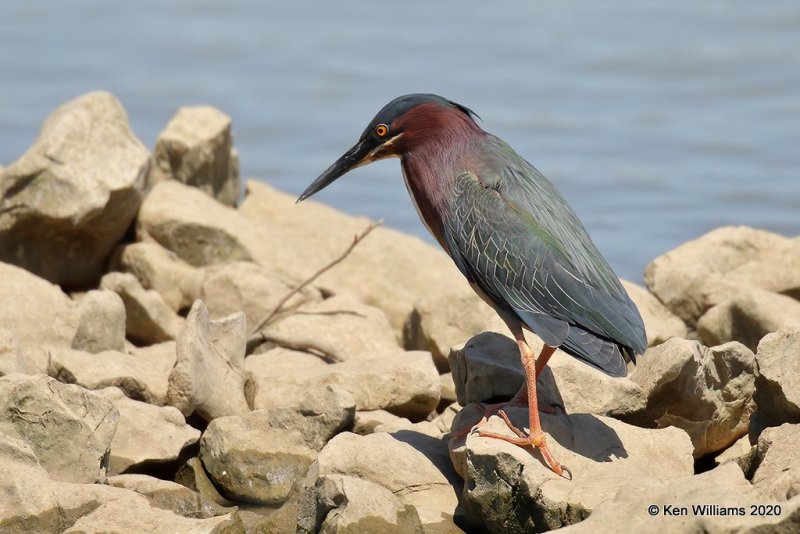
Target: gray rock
pixel 142 375
pixel 168 496
pixel 354 330
pixel 349 504
pixel 101 322
pixel 163 271
pixel 36 302
pixel 244 286
pixel 747 317
pixel 195 149
pixel 778 382
pixel 508 489
pixel 404 383
pixel 68 428
pixel 488 366
pixel 208 377
pixel 149 319
pixel 659 323
pixel 199 230
pixel 252 461
pixel 70 198
pixel 146 435
pixel 724 492
pixel 708 392
pixel 389 270
pixel 711 269
pixel 412 466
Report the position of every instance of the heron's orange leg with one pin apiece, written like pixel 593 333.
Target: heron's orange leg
pixel 536 438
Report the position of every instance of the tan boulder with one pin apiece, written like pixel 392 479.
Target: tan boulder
pixel 389 270
pixel 778 382
pixel 508 489
pixel 198 229
pixel 68 428
pixel 366 421
pixel 142 375
pixel 404 383
pixel 746 317
pixel 168 495
pixel 146 434
pixel 412 466
pixel 244 286
pixel 775 465
pixel 209 375
pixel 195 148
pixel 72 196
pixel 100 322
pixel 708 392
pixel 659 323
pixel 711 269
pixel 193 475
pixel 161 270
pixel 721 500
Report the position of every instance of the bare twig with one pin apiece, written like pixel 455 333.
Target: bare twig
pixel 327 352
pixel 356 240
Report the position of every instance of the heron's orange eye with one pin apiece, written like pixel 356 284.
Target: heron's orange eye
pixel 381 130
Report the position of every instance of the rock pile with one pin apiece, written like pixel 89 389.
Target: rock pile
pixel 191 375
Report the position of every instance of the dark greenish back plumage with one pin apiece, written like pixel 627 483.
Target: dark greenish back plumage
pixel 514 237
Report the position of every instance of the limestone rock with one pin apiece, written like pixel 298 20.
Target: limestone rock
pixel 705 498
pixel 163 271
pixel 208 377
pixel 412 466
pixel 71 197
pixel 778 381
pixel 11 360
pixel 488 366
pixel 101 322
pixel 776 467
pixel 426 428
pixel 404 383
pixel 659 323
pixel 389 270
pixel 440 321
pixel 252 461
pixel 507 489
pixel 708 392
pixel 142 375
pixel 739 452
pixel 349 504
pixel 168 495
pixel 747 317
pixel 139 516
pixel 254 289
pixel 193 475
pixel 68 428
pixel 195 148
pixel 354 330
pixel 448 388
pixel 711 269
pixel 148 318
pixel 444 421
pixel 366 421
pixel 146 435
pixel 198 229
pixel 37 303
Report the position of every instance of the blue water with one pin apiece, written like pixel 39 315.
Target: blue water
pixel 657 120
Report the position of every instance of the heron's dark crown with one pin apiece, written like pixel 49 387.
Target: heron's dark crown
pixel 403 104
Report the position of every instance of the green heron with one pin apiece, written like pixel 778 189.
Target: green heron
pixel 511 234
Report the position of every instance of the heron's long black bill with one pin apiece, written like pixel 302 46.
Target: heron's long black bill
pixel 353 158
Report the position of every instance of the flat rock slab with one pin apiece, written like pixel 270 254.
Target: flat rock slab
pixel 142 375
pixel 708 392
pixel 778 381
pixel 168 496
pixel 413 467
pixel 488 367
pixel 72 196
pixel 147 435
pixel 68 428
pixel 717 501
pixel 509 489
pixel 404 383
pixel 208 377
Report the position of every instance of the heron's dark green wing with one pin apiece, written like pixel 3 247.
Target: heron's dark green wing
pixel 515 237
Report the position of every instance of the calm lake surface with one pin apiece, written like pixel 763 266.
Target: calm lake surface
pixel 658 121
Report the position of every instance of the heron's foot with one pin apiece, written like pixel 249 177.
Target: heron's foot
pixel 523 440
